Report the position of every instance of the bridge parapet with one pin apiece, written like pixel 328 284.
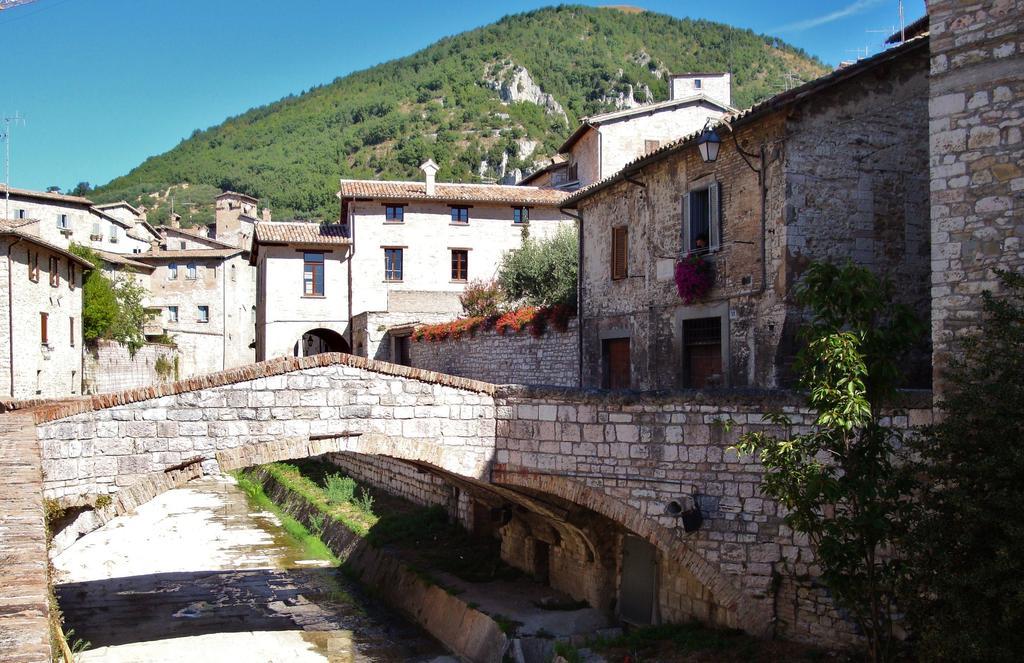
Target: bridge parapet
pixel 95 446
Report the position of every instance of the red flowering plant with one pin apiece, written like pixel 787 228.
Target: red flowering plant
pixel 533 318
pixel 694 278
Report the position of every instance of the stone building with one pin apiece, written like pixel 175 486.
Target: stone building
pixel 835 169
pixel 604 143
pixel 41 314
pixel 975 108
pixel 205 301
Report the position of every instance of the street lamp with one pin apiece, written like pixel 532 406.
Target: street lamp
pixel 708 143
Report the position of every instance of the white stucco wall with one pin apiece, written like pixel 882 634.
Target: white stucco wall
pixel 716 86
pixel 285 313
pixel 624 140
pixel 81 223
pixel 427 237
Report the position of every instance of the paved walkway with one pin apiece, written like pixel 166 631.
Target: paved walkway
pixel 23 609
pixel 197 575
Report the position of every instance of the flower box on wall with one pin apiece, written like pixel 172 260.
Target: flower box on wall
pixel 695 277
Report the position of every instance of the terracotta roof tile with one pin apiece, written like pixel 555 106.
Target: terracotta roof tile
pixel 300 232
pixel 186 253
pixel 46 195
pixel 482 193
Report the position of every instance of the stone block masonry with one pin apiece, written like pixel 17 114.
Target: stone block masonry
pixel 976 110
pixel 99 451
pixel 108 366
pixel 551 359
pixel 24 610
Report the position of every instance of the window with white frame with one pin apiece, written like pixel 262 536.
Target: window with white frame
pixel 204 314
pixel 702 219
pixel 62 221
pixel 172 314
pixel 192 272
pixel 172 271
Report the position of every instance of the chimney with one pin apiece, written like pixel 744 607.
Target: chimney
pixel 430 169
pixel 175 220
pixel 266 214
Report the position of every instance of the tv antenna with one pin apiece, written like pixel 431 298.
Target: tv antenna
pixel 6 135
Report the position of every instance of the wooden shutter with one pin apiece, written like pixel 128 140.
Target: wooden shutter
pixel 620 252
pixel 715 220
pixel 616 363
pixel 43 334
pixel 686 224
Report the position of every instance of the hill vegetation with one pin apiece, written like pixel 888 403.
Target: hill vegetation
pixel 481 104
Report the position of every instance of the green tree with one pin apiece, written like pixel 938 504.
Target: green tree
pixel 965 567
pixel 111 307
pixel 840 483
pixel 542 272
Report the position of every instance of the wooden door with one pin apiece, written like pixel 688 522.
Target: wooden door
pixel 615 353
pixel 638 582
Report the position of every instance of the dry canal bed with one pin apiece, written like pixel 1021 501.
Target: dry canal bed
pixel 200 574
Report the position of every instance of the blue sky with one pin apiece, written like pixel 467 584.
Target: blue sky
pixel 103 84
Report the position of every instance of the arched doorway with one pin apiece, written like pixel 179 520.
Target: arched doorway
pixel 318 341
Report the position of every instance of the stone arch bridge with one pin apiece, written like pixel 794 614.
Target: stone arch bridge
pixel 563 474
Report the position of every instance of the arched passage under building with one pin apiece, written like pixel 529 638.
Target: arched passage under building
pixel 319 341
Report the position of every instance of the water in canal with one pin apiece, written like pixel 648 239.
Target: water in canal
pixel 199 574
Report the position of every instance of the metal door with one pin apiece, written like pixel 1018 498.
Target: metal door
pixel 639 575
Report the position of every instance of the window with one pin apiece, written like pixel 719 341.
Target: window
pixel 697 84
pixel 71 330
pixel 702 353
pixel 204 314
pixel 21 214
pixel 72 275
pixel 183 245
pixel 651 145
pixel 192 271
pixel 394 213
pixel 701 220
pixel 520 215
pixel 313 274
pixel 460 214
pixel 74 382
pixel 44 332
pixel 460 264
pixel 172 314
pixel 97 231
pixel 392 264
pixel 33 266
pixel 615 363
pixel 172 271
pixel 573 172
pixel 62 221
pixel 54 271
pixel 620 252
pixel 114 234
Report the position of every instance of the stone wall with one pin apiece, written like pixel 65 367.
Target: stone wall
pixel 552 359
pixel 646 451
pixel 976 106
pixel 108 366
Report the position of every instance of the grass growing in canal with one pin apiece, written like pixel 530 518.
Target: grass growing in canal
pixel 311 543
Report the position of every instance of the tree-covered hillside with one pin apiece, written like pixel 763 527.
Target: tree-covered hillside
pixel 481 104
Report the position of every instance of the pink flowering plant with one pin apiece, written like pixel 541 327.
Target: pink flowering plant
pixel 694 278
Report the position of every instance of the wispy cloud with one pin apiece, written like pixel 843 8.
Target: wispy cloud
pixel 849 10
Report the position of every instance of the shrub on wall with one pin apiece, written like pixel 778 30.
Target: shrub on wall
pixel 542 272
pixel 482 298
